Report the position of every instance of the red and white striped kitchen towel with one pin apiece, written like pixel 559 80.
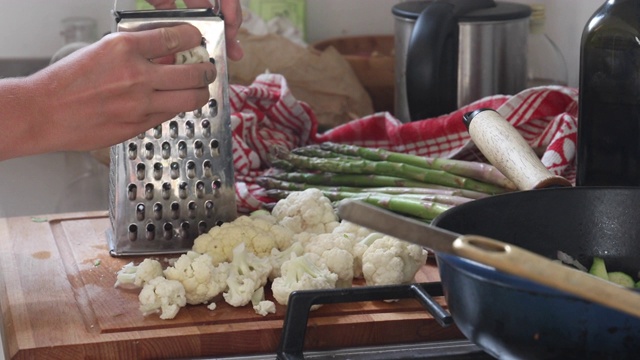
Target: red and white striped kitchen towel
pixel 266 114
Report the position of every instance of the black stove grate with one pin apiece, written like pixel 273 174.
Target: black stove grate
pixel 295 324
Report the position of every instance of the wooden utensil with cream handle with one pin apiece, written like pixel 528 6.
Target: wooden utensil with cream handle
pixel 508 151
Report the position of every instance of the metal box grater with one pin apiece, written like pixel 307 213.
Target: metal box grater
pixel 175 181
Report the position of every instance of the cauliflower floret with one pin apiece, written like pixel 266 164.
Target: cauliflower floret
pixel 307 210
pixel 358 250
pixel 211 244
pixel 335 251
pixel 240 290
pixel 198 54
pixel 247 274
pixel 162 295
pixel 358 232
pixel 260 305
pixel 282 235
pixel 390 261
pixel 261 234
pixel 201 279
pixel 304 237
pixel 265 215
pixel 278 257
pixel 136 276
pixel 265 308
pixel 302 273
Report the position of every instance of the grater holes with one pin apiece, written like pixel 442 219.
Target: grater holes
pixel 202 227
pixel 157 131
pixel 133 232
pixel 215 147
pixel 173 128
pixel 167 231
pixel 141 136
pixel 140 171
pixel 174 170
pixel 219 223
pixel 189 128
pixel 216 184
pixel 182 149
pixel 132 191
pixel 192 209
pixel 207 169
pixel 148 151
pixel 206 128
pixel 200 189
pixel 208 208
pixel 148 191
pixel 189 183
pixel 191 169
pixel 184 229
pixel 166 190
pixel 166 150
pixel 157 171
pixel 140 210
pixel 198 148
pixel 157 211
pixel 150 231
pixel 175 209
pixel 182 190
pixel 213 107
pixel 132 151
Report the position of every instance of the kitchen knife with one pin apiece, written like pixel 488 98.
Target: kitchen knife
pixel 502 256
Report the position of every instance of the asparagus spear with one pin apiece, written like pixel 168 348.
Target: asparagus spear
pixel 359 180
pixel 425 210
pixel 316 151
pixel 434 195
pixel 438 177
pixel 475 170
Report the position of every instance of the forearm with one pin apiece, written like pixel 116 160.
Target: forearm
pixel 102 94
pixel 21 112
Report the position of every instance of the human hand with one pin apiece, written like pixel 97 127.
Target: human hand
pixel 232 12
pixel 111 91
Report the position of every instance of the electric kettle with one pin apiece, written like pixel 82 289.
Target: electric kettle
pixel 450 53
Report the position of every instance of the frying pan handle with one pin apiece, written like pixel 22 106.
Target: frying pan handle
pixel 508 151
pixel 520 262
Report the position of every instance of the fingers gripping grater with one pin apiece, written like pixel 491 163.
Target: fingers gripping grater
pixel 175 181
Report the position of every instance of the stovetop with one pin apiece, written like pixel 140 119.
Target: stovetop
pixel 295 323
pixel 445 350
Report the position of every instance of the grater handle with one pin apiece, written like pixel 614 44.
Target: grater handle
pixel 216 7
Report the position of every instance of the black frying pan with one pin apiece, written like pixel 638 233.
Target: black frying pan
pixel 512 317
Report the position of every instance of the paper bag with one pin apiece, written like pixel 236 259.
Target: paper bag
pixel 324 80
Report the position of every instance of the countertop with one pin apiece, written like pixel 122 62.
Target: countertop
pixel 56 269
pixel 50 183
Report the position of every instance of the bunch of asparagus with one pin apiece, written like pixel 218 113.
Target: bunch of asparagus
pixel 412 185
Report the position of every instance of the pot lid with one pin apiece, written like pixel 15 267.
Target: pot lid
pixel 499 11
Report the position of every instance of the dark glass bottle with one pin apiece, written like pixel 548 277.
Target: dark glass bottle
pixel 608 151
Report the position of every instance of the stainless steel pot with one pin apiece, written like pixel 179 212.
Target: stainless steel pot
pixel 450 53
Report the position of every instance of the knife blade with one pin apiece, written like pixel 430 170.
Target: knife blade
pixel 401 227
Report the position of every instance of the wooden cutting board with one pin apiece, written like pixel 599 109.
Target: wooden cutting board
pixel 58 301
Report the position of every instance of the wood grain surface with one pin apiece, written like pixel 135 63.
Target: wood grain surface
pixel 58 301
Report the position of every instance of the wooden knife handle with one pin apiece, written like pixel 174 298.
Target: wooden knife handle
pixel 508 151
pixel 517 261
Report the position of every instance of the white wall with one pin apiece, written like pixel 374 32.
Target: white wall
pixel 329 18
pixel 31 28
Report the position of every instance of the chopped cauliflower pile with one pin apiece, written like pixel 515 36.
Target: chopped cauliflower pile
pixel 300 245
